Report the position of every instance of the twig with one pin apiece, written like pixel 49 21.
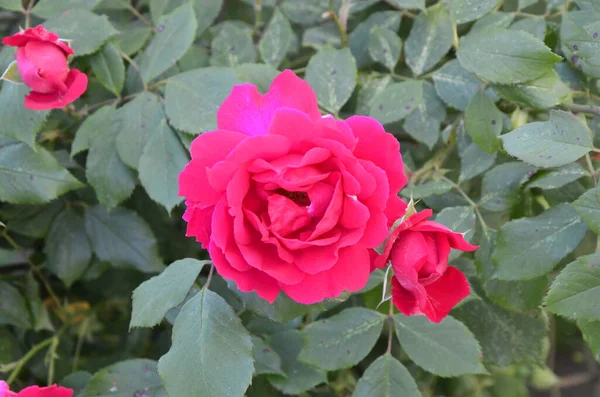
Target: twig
pixel 391 327
pixel 577 108
pixel 210 275
pixel 257 17
pixel 28 14
pixel 32 352
pixel 339 24
pixel 139 15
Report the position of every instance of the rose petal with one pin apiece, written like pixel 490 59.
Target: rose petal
pixel 199 221
pixel 76 83
pixel 457 240
pixel 445 293
pixel 49 391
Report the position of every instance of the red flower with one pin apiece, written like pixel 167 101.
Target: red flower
pixel 42 63
pixel 36 391
pixel 423 282
pixel 287 200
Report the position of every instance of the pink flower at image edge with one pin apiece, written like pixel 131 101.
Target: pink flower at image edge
pixel 423 283
pixel 35 391
pixel 43 66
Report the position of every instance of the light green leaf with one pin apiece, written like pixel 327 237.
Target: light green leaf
pixel 483 122
pixel 112 180
pixel 257 74
pixel 469 10
pixel 161 162
pixel 68 250
pixel 158 8
pixel 276 39
pixel 154 297
pixel 371 87
pixel 397 101
pixel 359 38
pixel 49 9
pixel 323 35
pixel 206 13
pixel 473 160
pixel 13 310
pixel 332 74
pixel 77 24
pixel 232 46
pixel 300 377
pixel 575 293
pixel 266 360
pixel 29 176
pixel 122 238
pixel 304 12
pixel 386 377
pixel 343 340
pixel 553 143
pixel 455 85
pixel 426 189
pixel 588 207
pixel 90 127
pixel 505 337
pixel 423 124
pixel 12 5
pixel 108 67
pixel 192 98
pixel 526 3
pixel 493 55
pixel 530 247
pixel 385 47
pixel 534 26
pixel 175 34
pixel 500 189
pixel 496 19
pixel 125 379
pixel 429 40
pixel 416 4
pixel 591 335
pixel 559 177
pixel 133 37
pixel 17 122
pixel 541 93
pixel 211 354
pixel 444 349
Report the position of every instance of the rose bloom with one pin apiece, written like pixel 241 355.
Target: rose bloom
pixel 42 64
pixel 423 283
pixel 287 200
pixel 36 391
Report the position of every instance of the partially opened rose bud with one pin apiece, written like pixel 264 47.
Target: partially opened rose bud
pixel 42 61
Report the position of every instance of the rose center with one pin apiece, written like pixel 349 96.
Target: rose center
pixel 299 198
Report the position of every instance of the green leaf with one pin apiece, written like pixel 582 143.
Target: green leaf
pixel 17 122
pixel 122 238
pixel 159 8
pixel 192 98
pixel 175 34
pixel 211 354
pixel 161 162
pixel 13 310
pixel 12 5
pixel 133 37
pixel 206 13
pixel 591 335
pixel 343 340
pixel 575 292
pixel 588 207
pixel 505 337
pixel 385 47
pixel 493 55
pixel 483 122
pixel 112 180
pixel 276 39
pixel 266 360
pixel 232 46
pixel 500 189
pixel 397 101
pixel 154 297
pixel 559 177
pixel 257 74
pixel 473 160
pixel 76 381
pixel 386 377
pixel 458 219
pixel 30 220
pixel 136 377
pixel 358 40
pixel 108 67
pixel 332 74
pixel 469 10
pixel 300 377
pixel 444 349
pixel 76 25
pixel 371 88
pixel 320 36
pixel 68 250
pixel 455 85
pixel 520 296
pixel 29 176
pixel 11 74
pixel 530 247
pixel 579 40
pixel 541 93
pixel 90 127
pixel 426 189
pixel 49 9
pixel 304 12
pixel 534 26
pixel 423 124
pixel 496 19
pixel 553 143
pixel 429 40
pixel 416 4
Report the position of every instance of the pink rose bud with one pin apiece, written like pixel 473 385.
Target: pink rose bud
pixel 42 64
pixel 36 391
pixel 423 283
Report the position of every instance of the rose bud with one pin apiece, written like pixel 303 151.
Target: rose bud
pixel 35 391
pixel 43 67
pixel 423 283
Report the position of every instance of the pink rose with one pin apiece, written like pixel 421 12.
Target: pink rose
pixel 423 283
pixel 36 391
pixel 287 200
pixel 42 63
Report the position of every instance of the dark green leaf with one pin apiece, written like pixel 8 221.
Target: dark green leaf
pixel 371 88
pixel 397 101
pixel 530 247
pixel 266 360
pixel 276 39
pixel 544 92
pixel 90 127
pixel 588 207
pixel 232 46
pixel 108 67
pixel 559 177
pixel 455 85
pixel 136 377
pixel 13 310
pixel 578 42
pixel 483 122
pixel 153 298
pixel 385 47
pixel 423 124
pixel 49 9
pixel 591 334
pixel 304 12
pixel 211 353
pixel 473 160
pixel 17 122
pixel 501 185
pixel 521 296
pixel 358 40
pixel 30 220
pixel 427 189
pixel 386 377
pixel 133 37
